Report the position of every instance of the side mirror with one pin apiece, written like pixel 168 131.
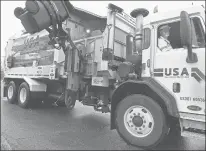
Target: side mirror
pixel 186 36
pixel 130 48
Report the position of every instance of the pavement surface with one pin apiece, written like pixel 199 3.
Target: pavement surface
pixel 55 128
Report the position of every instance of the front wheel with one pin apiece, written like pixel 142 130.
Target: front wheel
pixel 140 121
pixel 71 101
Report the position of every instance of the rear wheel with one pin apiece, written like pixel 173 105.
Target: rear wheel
pixel 11 92
pixel 24 95
pixel 140 121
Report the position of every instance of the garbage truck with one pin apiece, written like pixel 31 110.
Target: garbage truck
pixel 114 63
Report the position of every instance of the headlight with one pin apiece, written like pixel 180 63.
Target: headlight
pixel 88 31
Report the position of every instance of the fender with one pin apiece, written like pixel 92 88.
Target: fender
pixel 35 86
pixel 150 85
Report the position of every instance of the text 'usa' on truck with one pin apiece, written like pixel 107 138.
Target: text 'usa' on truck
pixel 149 75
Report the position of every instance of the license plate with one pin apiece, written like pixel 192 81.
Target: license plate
pixel 100 81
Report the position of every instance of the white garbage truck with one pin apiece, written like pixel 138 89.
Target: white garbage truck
pixel 116 63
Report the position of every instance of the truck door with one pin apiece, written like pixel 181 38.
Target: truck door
pixel 185 81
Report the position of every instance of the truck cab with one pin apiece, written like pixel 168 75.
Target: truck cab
pixel 183 79
pixel 171 69
pixel 174 79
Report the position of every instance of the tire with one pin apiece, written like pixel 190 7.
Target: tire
pixel 12 92
pixel 145 135
pixel 71 101
pixel 24 96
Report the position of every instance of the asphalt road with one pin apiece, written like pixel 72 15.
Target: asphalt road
pixel 54 128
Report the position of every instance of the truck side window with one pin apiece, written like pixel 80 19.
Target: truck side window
pixel 146 38
pixel 168 37
pixel 173 40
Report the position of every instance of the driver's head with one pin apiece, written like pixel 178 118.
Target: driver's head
pixel 164 31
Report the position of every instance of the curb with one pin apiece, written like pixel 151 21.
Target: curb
pixel 4 144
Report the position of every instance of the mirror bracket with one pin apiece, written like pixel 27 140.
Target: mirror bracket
pixel 192 58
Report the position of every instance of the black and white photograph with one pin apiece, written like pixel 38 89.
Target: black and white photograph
pixel 102 75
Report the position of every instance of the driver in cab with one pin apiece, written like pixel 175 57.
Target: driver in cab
pixel 163 42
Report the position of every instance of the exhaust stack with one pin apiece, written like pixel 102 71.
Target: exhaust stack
pixel 139 14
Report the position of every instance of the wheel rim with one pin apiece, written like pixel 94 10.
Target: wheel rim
pixel 22 95
pixel 10 92
pixel 138 121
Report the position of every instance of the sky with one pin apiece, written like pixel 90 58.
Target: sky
pixel 11 25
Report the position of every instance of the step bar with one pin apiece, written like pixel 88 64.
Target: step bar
pixel 192 125
pixel 186 133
